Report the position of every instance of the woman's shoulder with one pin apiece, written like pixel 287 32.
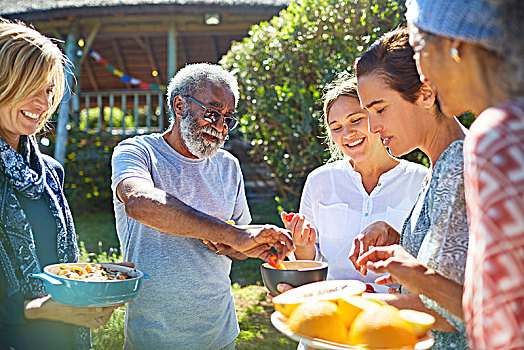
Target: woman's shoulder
pixel 496 126
pixel 327 169
pixel 448 172
pixel 412 168
pixel 55 165
pixel 451 160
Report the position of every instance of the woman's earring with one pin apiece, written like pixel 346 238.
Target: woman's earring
pixel 454 52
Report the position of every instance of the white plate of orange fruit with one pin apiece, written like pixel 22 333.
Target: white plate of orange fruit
pixel 333 315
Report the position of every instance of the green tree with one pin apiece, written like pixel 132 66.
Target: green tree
pixel 282 68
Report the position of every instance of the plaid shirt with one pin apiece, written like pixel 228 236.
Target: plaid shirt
pixel 494 184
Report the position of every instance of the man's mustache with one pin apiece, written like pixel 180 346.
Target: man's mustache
pixel 209 130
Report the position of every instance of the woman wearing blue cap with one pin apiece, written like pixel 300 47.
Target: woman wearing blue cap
pixel 473 53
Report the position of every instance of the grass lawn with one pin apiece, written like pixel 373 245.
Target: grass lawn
pixel 253 312
pixel 98 234
pixel 97 231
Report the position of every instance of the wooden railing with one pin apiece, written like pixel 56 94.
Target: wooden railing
pixel 127 112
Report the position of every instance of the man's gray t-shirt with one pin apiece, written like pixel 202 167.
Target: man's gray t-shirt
pixel 187 303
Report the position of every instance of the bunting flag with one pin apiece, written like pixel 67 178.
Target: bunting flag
pixel 123 77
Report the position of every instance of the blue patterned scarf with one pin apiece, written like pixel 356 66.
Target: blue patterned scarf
pixel 28 174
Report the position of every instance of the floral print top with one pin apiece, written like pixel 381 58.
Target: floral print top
pixel 436 233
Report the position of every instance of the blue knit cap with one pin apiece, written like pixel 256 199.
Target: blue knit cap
pixel 474 21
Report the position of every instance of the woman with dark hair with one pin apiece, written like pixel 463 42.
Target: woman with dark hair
pixel 428 257
pixel 473 52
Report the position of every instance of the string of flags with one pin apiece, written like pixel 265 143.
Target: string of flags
pixel 123 77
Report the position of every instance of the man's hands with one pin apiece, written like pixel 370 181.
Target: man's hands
pixel 401 267
pixel 224 249
pixel 157 209
pixel 377 234
pixel 92 317
pixel 256 242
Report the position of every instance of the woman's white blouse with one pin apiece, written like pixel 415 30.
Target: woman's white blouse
pixel 337 205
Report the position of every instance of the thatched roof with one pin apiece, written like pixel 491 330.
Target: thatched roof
pixel 33 9
pixel 133 34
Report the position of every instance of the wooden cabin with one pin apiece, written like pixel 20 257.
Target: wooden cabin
pixel 125 51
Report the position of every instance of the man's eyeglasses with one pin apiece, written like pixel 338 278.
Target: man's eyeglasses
pixel 212 116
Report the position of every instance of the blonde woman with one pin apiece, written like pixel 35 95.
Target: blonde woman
pixel 36 228
pixel 360 185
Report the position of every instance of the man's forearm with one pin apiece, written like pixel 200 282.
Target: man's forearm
pixel 163 212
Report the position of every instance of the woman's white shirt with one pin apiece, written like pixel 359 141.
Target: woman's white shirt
pixel 337 205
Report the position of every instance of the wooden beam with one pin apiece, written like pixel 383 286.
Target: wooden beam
pixel 55 33
pixel 161 27
pixel 119 59
pixel 63 113
pixel 186 34
pixel 140 42
pixel 89 41
pixel 150 57
pixel 195 18
pixel 91 76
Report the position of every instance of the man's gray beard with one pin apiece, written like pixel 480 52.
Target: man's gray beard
pixel 192 135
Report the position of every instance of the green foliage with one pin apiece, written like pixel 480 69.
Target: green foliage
pixel 253 313
pixel 282 67
pixel 87 184
pixel 116 118
pixel 112 256
pixel 245 272
pixel 111 336
pixel 467 119
pixel 97 231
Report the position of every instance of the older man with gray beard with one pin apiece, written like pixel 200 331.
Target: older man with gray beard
pixel 172 193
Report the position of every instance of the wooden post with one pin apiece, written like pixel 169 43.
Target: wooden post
pixel 171 51
pixel 63 113
pixel 171 57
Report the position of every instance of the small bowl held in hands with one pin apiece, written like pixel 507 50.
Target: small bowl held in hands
pixel 297 273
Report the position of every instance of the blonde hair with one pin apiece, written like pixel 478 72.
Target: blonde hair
pixel 343 85
pixel 29 62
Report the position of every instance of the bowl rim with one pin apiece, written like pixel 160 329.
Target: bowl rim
pixel 118 267
pixel 323 265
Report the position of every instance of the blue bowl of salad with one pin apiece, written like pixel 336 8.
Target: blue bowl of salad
pixel 91 285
